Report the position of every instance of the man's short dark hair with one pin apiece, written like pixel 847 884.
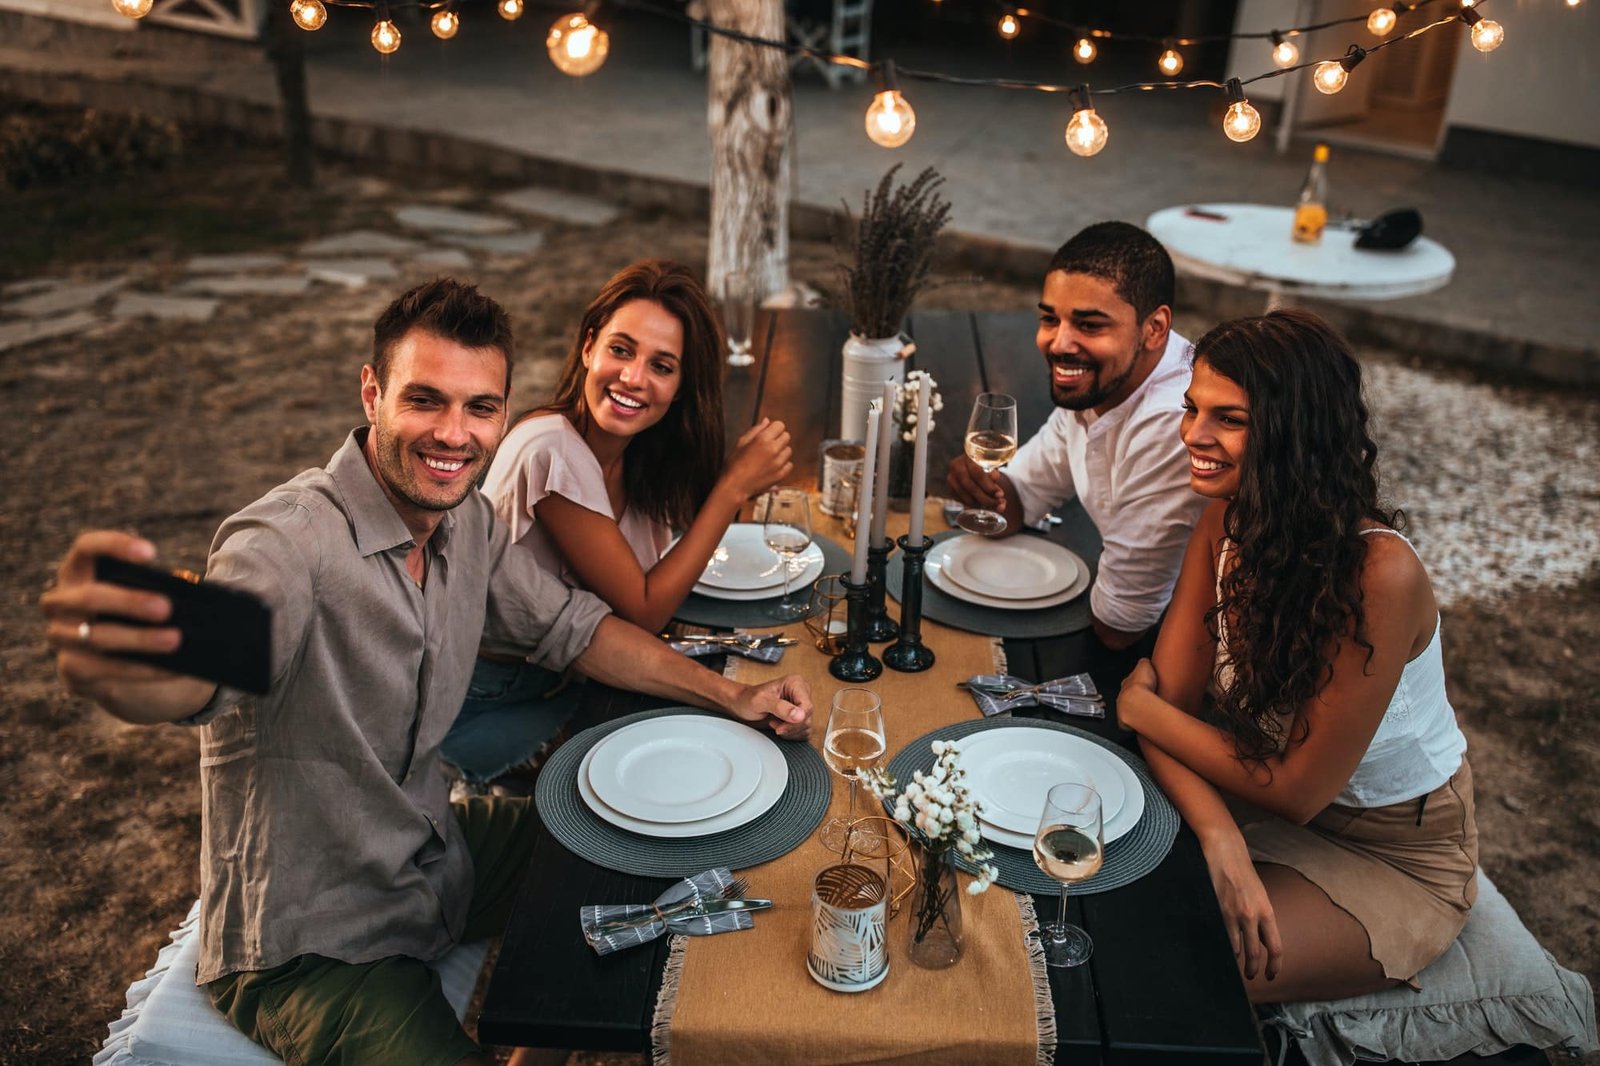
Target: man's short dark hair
pixel 1134 262
pixel 446 308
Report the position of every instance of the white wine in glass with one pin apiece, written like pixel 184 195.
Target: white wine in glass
pixel 786 529
pixel 854 742
pixel 1069 847
pixel 991 442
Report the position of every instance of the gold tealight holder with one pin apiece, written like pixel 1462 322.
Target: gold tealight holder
pixel 880 841
pixel 827 623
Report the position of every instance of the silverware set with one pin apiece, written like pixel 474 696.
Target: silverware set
pixel 1006 693
pixel 731 898
pixel 747 641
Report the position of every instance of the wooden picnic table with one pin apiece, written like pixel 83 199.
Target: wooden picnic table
pixel 1162 987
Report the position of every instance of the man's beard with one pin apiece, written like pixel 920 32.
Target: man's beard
pixel 1099 391
pixel 402 481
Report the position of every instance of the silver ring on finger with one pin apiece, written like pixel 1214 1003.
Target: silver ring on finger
pixel 83 632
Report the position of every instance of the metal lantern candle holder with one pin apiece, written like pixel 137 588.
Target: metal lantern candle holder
pixel 880 627
pixel 908 654
pixel 855 663
pixel 826 623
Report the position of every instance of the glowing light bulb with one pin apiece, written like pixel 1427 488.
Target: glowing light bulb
pixel 1487 34
pixel 1084 51
pixel 1009 26
pixel 890 120
pixel 1329 77
pixel 511 10
pixel 1086 132
pixel 134 9
pixel 1171 63
pixel 385 37
pixel 1241 122
pixel 1574 3
pixel 308 14
pixel 577 46
pixel 445 24
pixel 1285 54
pixel 1381 21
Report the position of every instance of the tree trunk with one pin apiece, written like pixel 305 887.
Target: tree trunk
pixel 750 116
pixel 287 51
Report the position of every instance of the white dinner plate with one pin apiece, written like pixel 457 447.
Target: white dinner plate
pixel 935 565
pixel 677 769
pixel 996 835
pixel 1121 793
pixel 1018 568
pixel 803 576
pixel 774 779
pixel 743 561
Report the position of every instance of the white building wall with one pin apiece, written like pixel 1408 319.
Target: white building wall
pixel 93 12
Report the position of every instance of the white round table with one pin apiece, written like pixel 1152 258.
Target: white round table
pixel 1249 244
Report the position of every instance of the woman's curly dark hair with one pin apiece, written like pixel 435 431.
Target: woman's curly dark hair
pixel 1307 483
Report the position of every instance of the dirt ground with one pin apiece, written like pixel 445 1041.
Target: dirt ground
pixel 168 428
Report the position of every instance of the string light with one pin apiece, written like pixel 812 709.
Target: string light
pixel 1284 53
pixel 1382 20
pixel 511 10
pixel 890 120
pixel 1009 26
pixel 385 35
pixel 309 15
pixel 1574 3
pixel 1084 51
pixel 1171 62
pixel 445 23
pixel 1331 76
pixel 1486 33
pixel 134 9
pixel 1242 121
pixel 577 46
pixel 1086 131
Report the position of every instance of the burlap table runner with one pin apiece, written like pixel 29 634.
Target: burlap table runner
pixel 747 997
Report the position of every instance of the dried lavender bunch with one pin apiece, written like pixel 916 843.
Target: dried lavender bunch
pixel 889 252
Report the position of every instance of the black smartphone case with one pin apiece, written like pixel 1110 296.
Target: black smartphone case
pixel 227 635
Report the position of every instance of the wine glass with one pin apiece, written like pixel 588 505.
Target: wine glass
pixel 854 742
pixel 1069 847
pixel 991 442
pixel 786 528
pixel 739 316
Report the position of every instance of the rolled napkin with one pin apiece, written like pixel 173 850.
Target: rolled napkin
pixel 763 653
pixel 1003 693
pixel 674 910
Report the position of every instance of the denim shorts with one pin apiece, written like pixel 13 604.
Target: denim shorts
pixel 511 710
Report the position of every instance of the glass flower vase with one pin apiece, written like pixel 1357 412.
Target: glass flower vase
pixel 934 920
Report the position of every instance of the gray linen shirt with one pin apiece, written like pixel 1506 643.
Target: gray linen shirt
pixel 326 822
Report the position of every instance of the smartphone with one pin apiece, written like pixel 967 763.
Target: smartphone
pixel 227 634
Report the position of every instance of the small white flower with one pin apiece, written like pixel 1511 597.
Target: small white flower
pixel 939 747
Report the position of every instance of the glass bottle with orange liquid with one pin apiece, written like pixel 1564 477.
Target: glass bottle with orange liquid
pixel 1311 211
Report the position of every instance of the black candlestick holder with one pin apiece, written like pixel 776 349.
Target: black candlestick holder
pixel 908 654
pixel 855 663
pixel 880 627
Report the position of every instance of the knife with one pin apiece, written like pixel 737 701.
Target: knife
pixel 709 907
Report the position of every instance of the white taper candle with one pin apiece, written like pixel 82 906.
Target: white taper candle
pixel 858 568
pixel 919 464
pixel 880 483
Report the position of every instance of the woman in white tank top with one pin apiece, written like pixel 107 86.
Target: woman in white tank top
pixel 1299 672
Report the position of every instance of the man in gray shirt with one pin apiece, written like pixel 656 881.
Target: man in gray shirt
pixel 333 865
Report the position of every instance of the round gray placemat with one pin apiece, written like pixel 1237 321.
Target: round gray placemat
pixel 1128 858
pixel 779 831
pixel 742 614
pixel 1069 617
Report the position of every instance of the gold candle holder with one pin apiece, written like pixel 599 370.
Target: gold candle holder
pixel 878 839
pixel 826 623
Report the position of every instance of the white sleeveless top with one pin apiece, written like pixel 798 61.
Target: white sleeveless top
pixel 1418 745
pixel 544 455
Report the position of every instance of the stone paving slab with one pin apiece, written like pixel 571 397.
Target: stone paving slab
pixel 16 334
pixel 559 206
pixel 351 273
pixel 452 220
pixel 517 244
pixel 243 263
pixel 284 285
pixel 62 299
pixel 361 242
pixel 165 307
pixel 441 259
pixel 29 286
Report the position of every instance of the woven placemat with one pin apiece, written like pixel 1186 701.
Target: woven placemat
pixel 1128 858
pixel 749 614
pixel 1069 617
pixel 779 831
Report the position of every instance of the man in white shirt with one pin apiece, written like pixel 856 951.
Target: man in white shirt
pixel 1117 375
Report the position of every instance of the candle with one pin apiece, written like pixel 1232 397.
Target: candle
pixel 880 484
pixel 858 569
pixel 919 464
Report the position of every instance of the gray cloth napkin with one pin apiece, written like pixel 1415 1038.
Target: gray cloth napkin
pixel 1062 695
pixel 702 887
pixel 769 653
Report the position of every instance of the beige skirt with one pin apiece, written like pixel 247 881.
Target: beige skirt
pixel 1407 872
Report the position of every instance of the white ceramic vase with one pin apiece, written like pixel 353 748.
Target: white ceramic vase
pixel 868 363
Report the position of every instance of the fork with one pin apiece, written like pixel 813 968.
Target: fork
pixel 734 889
pixel 1007 694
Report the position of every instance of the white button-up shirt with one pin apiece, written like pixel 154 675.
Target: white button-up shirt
pixel 1130 470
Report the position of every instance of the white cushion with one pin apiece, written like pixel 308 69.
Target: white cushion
pixel 170 1020
pixel 1493 989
